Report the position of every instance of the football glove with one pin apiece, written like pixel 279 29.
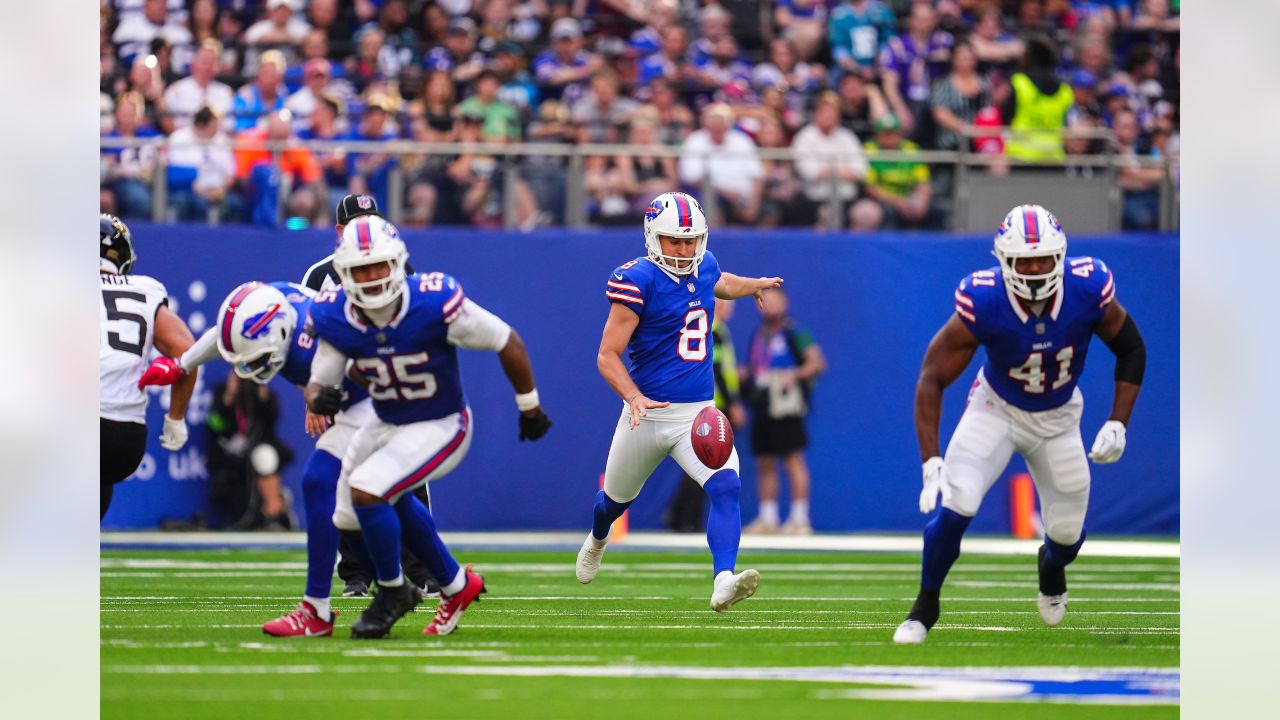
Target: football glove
pixel 1109 445
pixel 161 371
pixel 327 402
pixel 535 426
pixel 936 479
pixel 174 435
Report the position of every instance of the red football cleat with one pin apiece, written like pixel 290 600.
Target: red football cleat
pixel 452 606
pixel 303 622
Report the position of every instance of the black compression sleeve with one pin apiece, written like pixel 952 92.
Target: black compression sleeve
pixel 1130 351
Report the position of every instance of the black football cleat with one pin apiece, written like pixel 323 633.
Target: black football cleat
pixel 389 605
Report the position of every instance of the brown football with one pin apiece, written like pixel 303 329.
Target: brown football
pixel 712 437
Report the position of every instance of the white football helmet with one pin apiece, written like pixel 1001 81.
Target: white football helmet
pixel 370 240
pixel 255 325
pixel 675 215
pixel 1031 231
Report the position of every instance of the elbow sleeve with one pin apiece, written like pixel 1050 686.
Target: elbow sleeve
pixel 1130 351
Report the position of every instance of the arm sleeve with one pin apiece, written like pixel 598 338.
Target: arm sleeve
pixel 478 329
pixel 203 351
pixel 329 366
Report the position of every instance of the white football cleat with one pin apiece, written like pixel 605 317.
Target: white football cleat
pixel 910 632
pixel 1053 608
pixel 589 558
pixel 732 589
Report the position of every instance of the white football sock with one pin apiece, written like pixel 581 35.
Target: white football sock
pixel 799 511
pixel 455 586
pixel 769 512
pixel 322 607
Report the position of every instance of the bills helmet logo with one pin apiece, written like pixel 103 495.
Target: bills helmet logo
pixel 256 326
pixel 654 210
pixel 1053 220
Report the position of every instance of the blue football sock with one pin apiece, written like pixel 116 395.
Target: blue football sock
pixel 606 511
pixel 941 547
pixel 724 521
pixel 381 529
pixel 1060 556
pixel 418 530
pixel 319 484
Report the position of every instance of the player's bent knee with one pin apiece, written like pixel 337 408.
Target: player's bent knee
pixel 1064 532
pixel 320 475
pixel 961 506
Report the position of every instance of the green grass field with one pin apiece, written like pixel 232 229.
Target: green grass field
pixel 181 638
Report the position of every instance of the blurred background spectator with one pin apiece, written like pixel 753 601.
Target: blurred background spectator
pixel 202 171
pixel 245 458
pixel 726 157
pixel 898 191
pixel 829 158
pixel 944 68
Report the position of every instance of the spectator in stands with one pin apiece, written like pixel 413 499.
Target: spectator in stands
pixel 783 202
pixel 829 158
pixel 802 22
pixel 648 39
pixel 785 107
pixel 647 175
pixel 261 181
pixel 675 119
pixel 457 55
pixel 400 39
pixel 727 159
pixel 783 364
pixel 495 25
pixel 601 113
pixel 1075 143
pixel 783 69
pixel 897 191
pixel 316 76
pixel 326 16
pixel 280 28
pixel 910 64
pixel 373 60
pixel 723 67
pixel 861 102
pixel 127 172
pixel 436 106
pixel 563 69
pixel 478 181
pixel 1092 54
pixel 857 32
pixel 500 119
pixel 713 24
pixel 1037 108
pixel 202 170
pixel 135 32
pixel 200 89
pixel 671 62
pixel 368 173
pixel 546 174
pixel 145 80
pixel 1141 184
pixel 751 23
pixel 326 123
pixel 958 97
pixel 266 94
pixel 1085 86
pixel 518 88
pixel 995 48
pixel 1154 15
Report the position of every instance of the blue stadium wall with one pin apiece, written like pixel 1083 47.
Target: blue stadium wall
pixel 871 301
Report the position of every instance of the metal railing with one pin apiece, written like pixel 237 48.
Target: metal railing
pixel 964 163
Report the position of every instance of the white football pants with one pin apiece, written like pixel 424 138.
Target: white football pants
pixel 634 454
pixel 389 460
pixel 988 434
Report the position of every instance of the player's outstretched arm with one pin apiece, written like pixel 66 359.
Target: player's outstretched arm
pixel 622 323
pixel 948 355
pixel 322 393
pixel 732 287
pixel 172 339
pixel 534 422
pixel 1120 333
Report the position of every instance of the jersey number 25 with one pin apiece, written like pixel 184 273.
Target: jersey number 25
pixel 396 380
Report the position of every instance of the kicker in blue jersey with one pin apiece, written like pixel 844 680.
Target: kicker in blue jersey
pixel 412 369
pixel 669 356
pixel 1034 362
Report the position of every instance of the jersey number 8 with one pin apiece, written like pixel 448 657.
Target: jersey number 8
pixel 693 338
pixel 396 380
pixel 1032 375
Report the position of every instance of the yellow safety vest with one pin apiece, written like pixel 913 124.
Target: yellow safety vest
pixel 1038 120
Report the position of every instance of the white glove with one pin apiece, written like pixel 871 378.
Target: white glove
pixel 1109 445
pixel 936 479
pixel 174 435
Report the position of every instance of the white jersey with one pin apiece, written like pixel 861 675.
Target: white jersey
pixel 126 324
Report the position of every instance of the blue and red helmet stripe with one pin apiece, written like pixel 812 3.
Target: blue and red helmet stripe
pixel 1033 225
pixel 364 238
pixel 682 207
pixel 232 306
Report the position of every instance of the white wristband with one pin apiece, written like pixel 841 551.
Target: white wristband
pixel 527 401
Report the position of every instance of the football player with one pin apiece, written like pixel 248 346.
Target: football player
pixel 260 334
pixel 357 577
pixel 1035 313
pixel 133 319
pixel 402 333
pixel 662 306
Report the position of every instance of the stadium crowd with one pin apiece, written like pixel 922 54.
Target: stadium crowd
pixel 718 78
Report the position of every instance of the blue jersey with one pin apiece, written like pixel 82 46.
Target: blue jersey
pixel 670 350
pixel 302 347
pixel 411 367
pixel 1034 362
